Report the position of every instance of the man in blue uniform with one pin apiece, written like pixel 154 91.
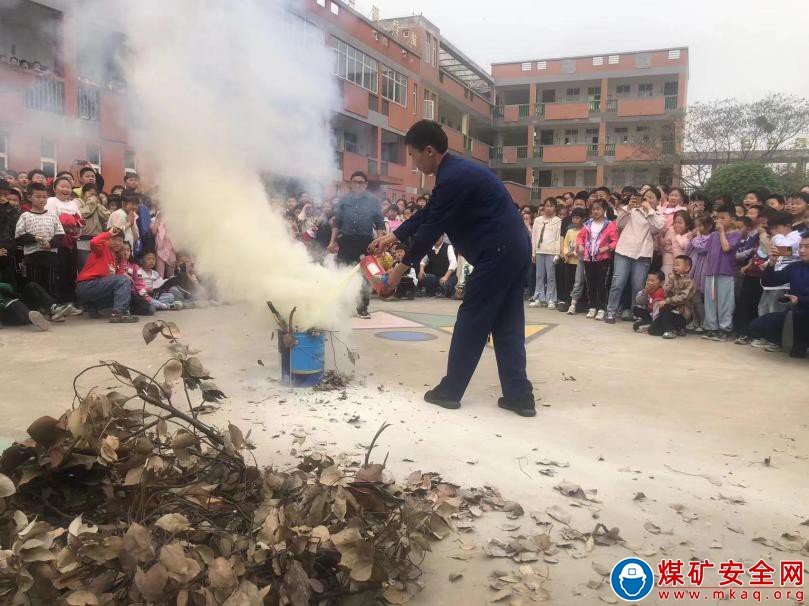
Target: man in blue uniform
pixel 472 206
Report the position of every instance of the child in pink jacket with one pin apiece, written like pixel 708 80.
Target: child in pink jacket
pixel 675 240
pixel 595 244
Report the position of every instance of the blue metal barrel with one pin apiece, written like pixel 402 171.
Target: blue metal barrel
pixel 307 359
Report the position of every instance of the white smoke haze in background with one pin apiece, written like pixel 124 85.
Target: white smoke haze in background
pixel 226 91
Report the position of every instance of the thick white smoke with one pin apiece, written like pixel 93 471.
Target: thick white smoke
pixel 227 91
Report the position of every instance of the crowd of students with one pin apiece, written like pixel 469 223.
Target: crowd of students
pixel 675 264
pixel 669 262
pixel 69 248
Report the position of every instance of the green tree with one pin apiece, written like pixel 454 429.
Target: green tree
pixel 737 178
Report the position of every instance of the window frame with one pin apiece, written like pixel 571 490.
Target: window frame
pixel 49 159
pixel 133 166
pixel 394 82
pixel 347 57
pixel 643 87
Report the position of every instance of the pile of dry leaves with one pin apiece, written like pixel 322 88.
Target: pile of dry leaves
pixel 129 498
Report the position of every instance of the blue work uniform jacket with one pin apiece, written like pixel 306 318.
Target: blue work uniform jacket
pixel 472 206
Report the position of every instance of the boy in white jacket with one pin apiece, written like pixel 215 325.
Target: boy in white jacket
pixel 546 244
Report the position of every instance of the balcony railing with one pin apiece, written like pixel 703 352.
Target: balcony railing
pixel 609 149
pixel 538 151
pixel 524 110
pixel 668 148
pixel 497 111
pixel 671 102
pixel 496 153
pixel 373 168
pixel 592 150
pixel 522 152
pixel 46 94
pixel 540 110
pixel 594 105
pixel 89 102
pixel 612 105
pixel 535 192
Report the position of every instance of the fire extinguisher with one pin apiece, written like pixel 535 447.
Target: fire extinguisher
pixel 377 276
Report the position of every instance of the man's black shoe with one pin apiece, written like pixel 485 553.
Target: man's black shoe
pixel 525 407
pixel 439 399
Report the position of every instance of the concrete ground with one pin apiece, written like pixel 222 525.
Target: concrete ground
pixel 689 423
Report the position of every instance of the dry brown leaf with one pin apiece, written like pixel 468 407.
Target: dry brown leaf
pixel 7 487
pixel 108 449
pixel 138 543
pixel 295 587
pixel 172 371
pixel 370 473
pixel 81 598
pixel 179 567
pixel 558 514
pixel 236 436
pixel 221 575
pixel 152 583
pixel 357 553
pixel 134 476
pixel 173 523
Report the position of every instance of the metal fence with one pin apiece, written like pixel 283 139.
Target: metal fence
pixel 46 94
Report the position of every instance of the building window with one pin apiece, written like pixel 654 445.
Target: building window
pixel 614 59
pixel 394 86
pixel 305 31
pixel 335 8
pixel 569 178
pixel 357 67
pixel 542 65
pixel 622 134
pixel 350 143
pixel 321 3
pixel 589 177
pixel 640 176
pixel 592 135
pixel 594 93
pixel 571 136
pixel 618 178
pixel 526 67
pixel 642 133
pixel 572 94
pixel 47 161
pixel 94 157
pixel 623 90
pixel 598 60
pixel 88 101
pixel 432 50
pixel 646 89
pixel 130 164
pixel 3 151
pixel 674 54
pixel 46 94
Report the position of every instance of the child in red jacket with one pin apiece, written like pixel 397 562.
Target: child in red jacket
pixel 103 281
pixel 648 301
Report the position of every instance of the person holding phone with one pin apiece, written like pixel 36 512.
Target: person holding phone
pixel 640 220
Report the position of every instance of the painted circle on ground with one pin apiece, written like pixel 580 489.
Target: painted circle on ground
pixel 405 335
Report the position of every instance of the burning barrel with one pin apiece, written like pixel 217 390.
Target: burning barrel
pixel 303 357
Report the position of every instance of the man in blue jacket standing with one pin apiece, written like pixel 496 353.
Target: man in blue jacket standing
pixel 472 206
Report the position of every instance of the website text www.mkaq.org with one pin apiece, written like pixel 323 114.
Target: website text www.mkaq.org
pixel 750 594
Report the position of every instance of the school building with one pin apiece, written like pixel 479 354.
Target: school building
pixel 543 125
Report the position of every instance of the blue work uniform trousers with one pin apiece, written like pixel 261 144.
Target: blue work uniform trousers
pixel 492 304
